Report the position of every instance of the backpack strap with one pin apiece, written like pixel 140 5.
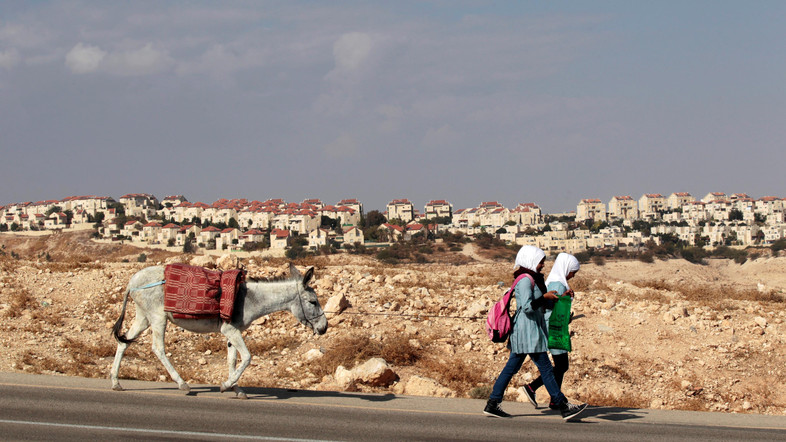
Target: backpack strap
pixel 512 287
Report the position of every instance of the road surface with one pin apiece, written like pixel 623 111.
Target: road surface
pixel 35 407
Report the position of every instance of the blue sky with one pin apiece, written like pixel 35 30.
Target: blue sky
pixel 469 101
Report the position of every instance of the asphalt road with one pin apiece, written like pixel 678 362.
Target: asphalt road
pixel 34 407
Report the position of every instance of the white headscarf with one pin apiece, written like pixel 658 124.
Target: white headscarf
pixel 564 264
pixel 529 257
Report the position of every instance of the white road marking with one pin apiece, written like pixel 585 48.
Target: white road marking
pixel 149 431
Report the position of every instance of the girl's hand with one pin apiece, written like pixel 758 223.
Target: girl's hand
pixel 569 292
pixel 551 295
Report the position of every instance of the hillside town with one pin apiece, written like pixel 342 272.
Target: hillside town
pixel 623 223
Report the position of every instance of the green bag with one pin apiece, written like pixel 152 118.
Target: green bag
pixel 559 335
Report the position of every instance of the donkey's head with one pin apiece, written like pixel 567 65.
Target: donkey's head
pixel 307 308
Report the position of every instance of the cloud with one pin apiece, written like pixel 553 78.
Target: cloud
pixel 351 50
pixel 143 61
pixel 83 59
pixel 343 146
pixel 9 59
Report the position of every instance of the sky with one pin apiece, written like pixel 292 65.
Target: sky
pixel 467 101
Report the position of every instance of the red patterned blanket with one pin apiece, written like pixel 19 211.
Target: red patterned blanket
pixel 192 292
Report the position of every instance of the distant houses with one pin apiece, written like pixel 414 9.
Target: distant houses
pixel 234 224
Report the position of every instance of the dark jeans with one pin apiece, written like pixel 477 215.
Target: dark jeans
pixel 561 366
pixel 513 366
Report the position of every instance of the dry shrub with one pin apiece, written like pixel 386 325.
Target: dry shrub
pixel 19 300
pixel 347 351
pixel 260 347
pixel 39 364
pixel 652 284
pixel 89 352
pixel 455 374
pixel 142 373
pixel 350 350
pixel 49 316
pixel 399 350
pixel 711 295
pixel 600 398
pixel 213 344
pixel 580 283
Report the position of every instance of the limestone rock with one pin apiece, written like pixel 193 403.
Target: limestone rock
pixel 227 262
pixel 423 386
pixel 335 305
pixel 375 372
pixel 203 261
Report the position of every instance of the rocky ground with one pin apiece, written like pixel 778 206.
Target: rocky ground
pixel 668 335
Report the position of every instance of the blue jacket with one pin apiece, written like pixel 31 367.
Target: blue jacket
pixel 529 326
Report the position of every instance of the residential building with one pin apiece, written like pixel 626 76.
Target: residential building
pixel 652 205
pixel 139 204
pixel 623 207
pixel 676 200
pixel 592 209
pixel 280 239
pixel 438 209
pixel 401 209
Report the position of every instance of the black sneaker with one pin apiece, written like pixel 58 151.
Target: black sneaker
pixel 569 411
pixel 553 406
pixel 530 395
pixel 493 409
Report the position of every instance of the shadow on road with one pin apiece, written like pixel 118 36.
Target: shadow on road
pixel 281 393
pixel 613 413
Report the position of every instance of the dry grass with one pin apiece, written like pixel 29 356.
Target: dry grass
pixel 260 347
pixel 350 350
pixel 455 374
pixel 18 301
pixel 712 295
pixel 600 398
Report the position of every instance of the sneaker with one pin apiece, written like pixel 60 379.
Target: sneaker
pixel 569 411
pixel 553 406
pixel 530 395
pixel 493 409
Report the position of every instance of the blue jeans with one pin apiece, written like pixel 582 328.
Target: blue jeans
pixel 513 366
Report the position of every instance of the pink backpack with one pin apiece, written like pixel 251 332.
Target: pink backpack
pixel 498 322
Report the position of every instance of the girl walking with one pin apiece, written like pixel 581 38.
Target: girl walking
pixel 565 268
pixel 529 336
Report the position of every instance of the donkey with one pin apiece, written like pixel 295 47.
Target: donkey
pixel 258 299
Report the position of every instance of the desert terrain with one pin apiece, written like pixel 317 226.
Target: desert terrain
pixel 665 335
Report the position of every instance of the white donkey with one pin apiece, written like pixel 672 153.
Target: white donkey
pixel 258 299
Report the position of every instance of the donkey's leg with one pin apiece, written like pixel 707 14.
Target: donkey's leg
pixel 231 363
pixel 159 331
pixel 235 337
pixel 140 324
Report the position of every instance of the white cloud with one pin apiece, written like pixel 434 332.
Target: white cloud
pixel 83 59
pixel 9 59
pixel 351 50
pixel 343 146
pixel 143 61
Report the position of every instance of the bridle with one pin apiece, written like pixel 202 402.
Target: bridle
pixel 309 320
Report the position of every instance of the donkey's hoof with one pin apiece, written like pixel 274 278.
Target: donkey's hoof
pixel 184 387
pixel 117 387
pixel 239 393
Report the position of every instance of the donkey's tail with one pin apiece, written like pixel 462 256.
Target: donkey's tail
pixel 121 337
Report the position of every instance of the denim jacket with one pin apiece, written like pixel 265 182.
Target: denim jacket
pixel 529 325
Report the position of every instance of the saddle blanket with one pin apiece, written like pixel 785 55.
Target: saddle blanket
pixel 192 292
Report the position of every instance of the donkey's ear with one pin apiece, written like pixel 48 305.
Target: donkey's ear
pixel 309 274
pixel 294 273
